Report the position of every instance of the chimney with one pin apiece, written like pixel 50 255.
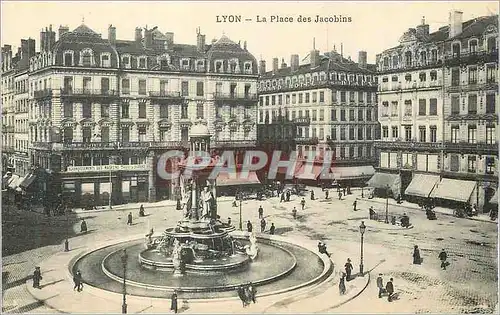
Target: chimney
pixel 275 64
pixel 170 38
pixel 112 34
pixel 362 59
pixel 262 67
pixel 51 38
pixel 423 29
pixel 314 55
pixel 455 23
pixel 148 38
pixel 138 34
pixel 200 40
pixel 294 62
pixel 63 30
pixel 43 36
pixel 283 63
pixel 245 45
pixel 31 47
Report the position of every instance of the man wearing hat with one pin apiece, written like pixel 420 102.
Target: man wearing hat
pixel 37 276
pixel 380 285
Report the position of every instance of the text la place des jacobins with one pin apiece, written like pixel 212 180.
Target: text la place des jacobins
pixel 284 19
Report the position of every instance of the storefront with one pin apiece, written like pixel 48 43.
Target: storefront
pixel 421 187
pixel 385 184
pixel 454 193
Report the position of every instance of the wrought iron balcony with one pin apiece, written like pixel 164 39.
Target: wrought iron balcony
pixel 302 121
pixel 165 94
pixel 233 143
pixel 471 58
pixel 45 93
pixel 307 140
pixel 72 92
pixel 466 147
pixel 235 96
pixel 408 145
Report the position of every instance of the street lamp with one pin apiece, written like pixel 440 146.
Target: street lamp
pixel 387 205
pixel 362 229
pixel 241 219
pixel 124 263
pixel 66 242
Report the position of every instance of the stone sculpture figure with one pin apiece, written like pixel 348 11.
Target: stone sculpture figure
pixel 206 198
pixel 176 258
pixel 252 250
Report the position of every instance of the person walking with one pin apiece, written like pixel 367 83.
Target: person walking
pixel 249 226
pixel 294 213
pixel 242 295
pixel 443 256
pixel 288 195
pixel 344 191
pixel 283 196
pixel 322 249
pixel 262 225
pixel 303 203
pixel 141 211
pixel 342 284
pixel 129 218
pixel 389 287
pixel 173 302
pixel 229 221
pixel 380 285
pixel 252 291
pixel 327 193
pixel 354 204
pixel 417 260
pixel 348 269
pixel 37 277
pixel 77 279
pixel 261 212
pixel 271 229
pixel 83 226
pixel 312 194
pixel 340 195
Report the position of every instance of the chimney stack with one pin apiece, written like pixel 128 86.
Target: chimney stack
pixel 27 48
pixel 43 36
pixel 63 30
pixel 275 64
pixel 283 63
pixel 294 62
pixel 362 56
pixel 112 34
pixel 262 67
pixel 314 55
pixel 138 34
pixel 245 45
pixel 455 23
pixel 170 38
pixel 200 40
pixel 423 29
pixel 148 38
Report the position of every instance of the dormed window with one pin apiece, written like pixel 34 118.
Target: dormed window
pixel 234 65
pixel 87 58
pixel 472 45
pixel 218 64
pixel 248 67
pixel 68 58
pixel 142 62
pixel 126 61
pixel 200 64
pixel 185 63
pixel 106 60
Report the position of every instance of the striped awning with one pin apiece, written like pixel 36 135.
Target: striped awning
pixel 422 185
pixel 353 172
pixel 454 189
pixel 223 179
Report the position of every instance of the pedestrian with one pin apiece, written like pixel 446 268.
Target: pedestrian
pixel 303 203
pixel 173 303
pixel 252 291
pixel 344 191
pixel 348 269
pixel 242 296
pixel 294 213
pixel 417 260
pixel 288 195
pixel 340 195
pixel 443 256
pixel 393 220
pixel 129 219
pixel 389 288
pixel 354 204
pixel 37 277
pixel 271 229
pixel 229 221
pixel 312 194
pixel 77 279
pixel 282 197
pixel 249 226
pixel 83 226
pixel 380 285
pixel 322 248
pixel 261 212
pixel 327 193
pixel 342 284
pixel 141 211
pixel 262 225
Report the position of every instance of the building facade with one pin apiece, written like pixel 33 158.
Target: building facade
pixel 9 63
pixel 104 110
pixel 420 81
pixel 332 101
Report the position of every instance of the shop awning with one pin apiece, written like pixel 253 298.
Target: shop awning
pixel 494 199
pixel 283 170
pixel 454 189
pixel 353 172
pixel 223 179
pixel 14 181
pixel 27 180
pixel 383 180
pixel 422 185
pixel 313 171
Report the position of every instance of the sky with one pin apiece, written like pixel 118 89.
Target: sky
pixel 374 26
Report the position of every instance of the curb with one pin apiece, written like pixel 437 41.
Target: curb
pixel 349 299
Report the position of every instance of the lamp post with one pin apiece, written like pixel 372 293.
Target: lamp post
pixel 66 242
pixel 387 205
pixel 241 219
pixel 124 263
pixel 362 229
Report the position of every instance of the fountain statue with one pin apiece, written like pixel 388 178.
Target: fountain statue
pixel 252 250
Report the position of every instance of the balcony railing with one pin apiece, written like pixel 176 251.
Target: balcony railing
pixel 42 93
pixel 307 140
pixel 233 143
pixel 165 94
pixel 88 92
pixel 471 57
pixel 108 145
pixel 480 147
pixel 235 96
pixel 302 121
pixel 412 145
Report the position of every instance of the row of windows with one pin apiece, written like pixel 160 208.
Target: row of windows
pixel 344 152
pixel 489 163
pixel 491 74
pixel 423 136
pixel 314 114
pixel 490 136
pixel 472 104
pixel 316 78
pixel 300 98
pixel 409 77
pixel 456 49
pixel 395 61
pixel 352 133
pixel 408 108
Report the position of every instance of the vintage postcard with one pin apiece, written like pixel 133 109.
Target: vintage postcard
pixel 249 157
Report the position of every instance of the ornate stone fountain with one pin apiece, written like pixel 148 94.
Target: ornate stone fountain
pixel 200 241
